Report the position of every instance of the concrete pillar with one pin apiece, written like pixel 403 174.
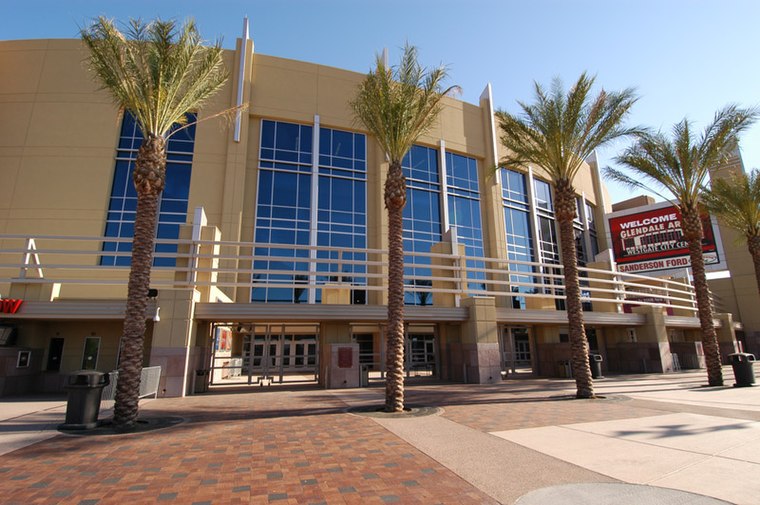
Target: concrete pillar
pixel 652 345
pixel 333 335
pixel 36 290
pixel 611 306
pixel 480 342
pixel 726 336
pixel 336 294
pixel 174 347
pixel 442 267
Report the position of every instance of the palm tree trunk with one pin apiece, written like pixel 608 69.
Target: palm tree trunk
pixel 149 177
pixel 395 199
pixel 753 244
pixel 691 225
pixel 565 213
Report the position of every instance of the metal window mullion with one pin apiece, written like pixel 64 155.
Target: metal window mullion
pixel 586 229
pixel 443 174
pixel 241 80
pixel 538 254
pixel 312 296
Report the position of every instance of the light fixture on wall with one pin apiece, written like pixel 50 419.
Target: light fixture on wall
pixel 157 316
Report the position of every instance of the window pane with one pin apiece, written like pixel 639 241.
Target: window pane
pixel 173 206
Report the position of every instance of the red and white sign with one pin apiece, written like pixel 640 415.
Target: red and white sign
pixel 648 239
pixel 10 305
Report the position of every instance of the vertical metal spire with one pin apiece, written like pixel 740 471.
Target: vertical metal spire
pixel 241 79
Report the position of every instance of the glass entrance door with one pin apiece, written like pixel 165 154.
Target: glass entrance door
pixel 421 351
pixel 279 352
pixel 516 351
pixel 269 353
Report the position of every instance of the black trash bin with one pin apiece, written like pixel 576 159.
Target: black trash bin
pixel 201 381
pixel 595 361
pixel 743 372
pixel 83 404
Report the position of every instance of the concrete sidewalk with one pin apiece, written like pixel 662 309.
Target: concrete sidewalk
pixel 518 441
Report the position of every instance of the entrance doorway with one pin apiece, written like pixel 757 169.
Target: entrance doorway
pixel 420 351
pixel 516 351
pixel 266 354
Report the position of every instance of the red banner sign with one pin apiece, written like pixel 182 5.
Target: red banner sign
pixel 653 240
pixel 9 305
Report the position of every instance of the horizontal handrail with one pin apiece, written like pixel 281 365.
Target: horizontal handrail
pixel 230 264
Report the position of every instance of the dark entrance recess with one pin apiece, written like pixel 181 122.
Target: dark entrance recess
pixel 55 352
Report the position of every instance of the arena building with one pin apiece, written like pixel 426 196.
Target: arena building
pixel 271 259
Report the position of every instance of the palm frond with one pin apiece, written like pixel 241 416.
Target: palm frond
pixel 736 201
pixel 157 70
pixel 399 104
pixel 680 164
pixel 559 130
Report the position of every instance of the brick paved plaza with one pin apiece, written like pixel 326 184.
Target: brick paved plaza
pixel 302 447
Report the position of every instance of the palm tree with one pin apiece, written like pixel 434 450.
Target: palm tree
pixel 397 105
pixel 558 132
pixel 158 72
pixel 736 201
pixel 681 167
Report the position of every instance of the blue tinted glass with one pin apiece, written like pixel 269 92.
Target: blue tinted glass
pixel 543 194
pixel 174 198
pixel 287 136
pixel 175 218
pixel 177 182
pixel 305 138
pixel 267 133
pixel 179 206
pixel 421 163
pixel 343 144
pixel 304 191
pixel 340 204
pixel 359 146
pixel 286 188
pixel 168 231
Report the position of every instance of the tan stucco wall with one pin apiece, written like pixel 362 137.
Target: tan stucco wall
pixel 58 140
pixel 740 292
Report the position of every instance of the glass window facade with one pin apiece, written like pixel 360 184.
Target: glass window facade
pixel 342 207
pixel 463 200
pixel 173 201
pixel 422 218
pixel 284 209
pixel 548 243
pixel 591 225
pixel 518 230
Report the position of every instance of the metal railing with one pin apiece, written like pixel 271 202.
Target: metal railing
pixel 149 378
pixel 75 261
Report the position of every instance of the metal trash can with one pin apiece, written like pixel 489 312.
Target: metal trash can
pixel 743 372
pixel 595 361
pixel 83 404
pixel 201 381
pixel 565 370
pixel 364 377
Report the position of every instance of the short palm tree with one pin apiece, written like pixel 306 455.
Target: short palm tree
pixel 736 201
pixel 681 167
pixel 397 105
pixel 557 133
pixel 158 72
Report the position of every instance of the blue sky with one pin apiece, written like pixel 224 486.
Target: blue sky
pixel 687 58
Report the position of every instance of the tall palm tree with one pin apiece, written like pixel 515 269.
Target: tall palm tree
pixel 558 132
pixel 681 167
pixel 397 105
pixel 736 201
pixel 157 71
